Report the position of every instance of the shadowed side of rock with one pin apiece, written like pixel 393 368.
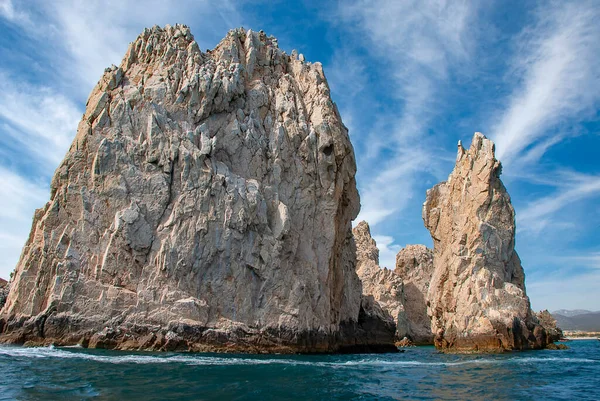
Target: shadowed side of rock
pixel 382 288
pixel 205 204
pixel 477 291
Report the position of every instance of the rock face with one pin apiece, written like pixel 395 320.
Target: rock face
pixel 477 291
pixel 3 292
pixel 381 286
pixel 205 204
pixel 548 322
pixel 400 293
pixel 414 266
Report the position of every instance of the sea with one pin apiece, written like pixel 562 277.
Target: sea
pixel 418 373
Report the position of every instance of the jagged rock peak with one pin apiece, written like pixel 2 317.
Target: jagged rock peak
pixel 205 204
pixel 477 291
pixel 366 247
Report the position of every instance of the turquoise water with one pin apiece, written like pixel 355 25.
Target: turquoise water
pixel 417 374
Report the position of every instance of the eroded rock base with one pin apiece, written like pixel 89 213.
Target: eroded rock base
pixel 66 329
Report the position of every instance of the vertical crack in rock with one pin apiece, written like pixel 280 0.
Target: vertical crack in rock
pixel 207 200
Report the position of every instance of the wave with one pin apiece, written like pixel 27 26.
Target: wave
pixel 499 361
pixel 198 360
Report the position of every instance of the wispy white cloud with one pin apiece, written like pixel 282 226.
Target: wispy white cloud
pixel 347 73
pixel 387 251
pixel 19 198
pixel 429 34
pixel 347 77
pixel 543 212
pixel 389 191
pixel 7 10
pixel 556 86
pixel 590 260
pixel 419 43
pixel 566 291
pixel 94 34
pixel 37 125
pixel 40 120
pixel 556 63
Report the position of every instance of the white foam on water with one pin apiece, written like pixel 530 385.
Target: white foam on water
pixel 473 362
pixel 197 360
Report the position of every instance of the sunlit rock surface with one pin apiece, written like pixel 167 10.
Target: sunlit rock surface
pixel 205 204
pixel 477 291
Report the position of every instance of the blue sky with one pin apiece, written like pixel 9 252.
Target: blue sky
pixel 411 78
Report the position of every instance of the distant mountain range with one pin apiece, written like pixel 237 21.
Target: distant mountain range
pixel 572 312
pixel 578 319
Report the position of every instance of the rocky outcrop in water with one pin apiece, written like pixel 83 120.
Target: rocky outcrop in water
pixel 205 204
pixel 477 291
pixel 553 346
pixel 548 322
pixel 401 293
pixel 414 266
pixel 381 286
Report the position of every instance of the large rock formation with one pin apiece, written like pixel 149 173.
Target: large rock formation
pixel 414 266
pixel 548 322
pixel 477 291
pixel 381 287
pixel 469 293
pixel 205 204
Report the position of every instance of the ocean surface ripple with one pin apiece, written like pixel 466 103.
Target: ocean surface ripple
pixel 418 374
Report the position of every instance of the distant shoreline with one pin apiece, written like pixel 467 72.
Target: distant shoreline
pixel 581 338
pixel 581 335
